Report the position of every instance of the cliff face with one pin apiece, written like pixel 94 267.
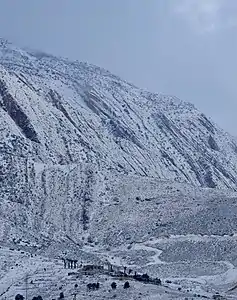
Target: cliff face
pixel 66 127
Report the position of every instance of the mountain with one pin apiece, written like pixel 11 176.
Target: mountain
pixel 67 127
pixel 95 168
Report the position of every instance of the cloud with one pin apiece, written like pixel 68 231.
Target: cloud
pixel 207 16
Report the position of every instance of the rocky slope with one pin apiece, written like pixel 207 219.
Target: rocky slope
pixel 67 129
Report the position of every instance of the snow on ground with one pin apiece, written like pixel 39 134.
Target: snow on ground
pixel 48 277
pixel 224 279
pixel 200 264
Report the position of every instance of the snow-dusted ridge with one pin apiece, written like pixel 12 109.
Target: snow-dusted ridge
pixel 128 129
pixel 94 167
pixel 65 127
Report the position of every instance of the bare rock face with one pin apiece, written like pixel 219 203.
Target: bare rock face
pixel 66 127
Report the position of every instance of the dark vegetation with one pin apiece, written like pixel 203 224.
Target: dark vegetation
pixel 19 297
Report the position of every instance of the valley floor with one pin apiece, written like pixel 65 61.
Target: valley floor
pixel 184 265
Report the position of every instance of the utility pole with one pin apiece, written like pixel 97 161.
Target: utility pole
pixel 26 282
pixel 74 296
pixel 75 292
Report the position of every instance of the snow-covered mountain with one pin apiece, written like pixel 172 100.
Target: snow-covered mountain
pixel 67 128
pixel 94 168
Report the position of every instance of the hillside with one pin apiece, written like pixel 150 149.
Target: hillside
pixel 70 113
pixel 67 128
pixel 95 168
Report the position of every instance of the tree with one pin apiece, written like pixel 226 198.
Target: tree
pixel 19 297
pixel 61 295
pixel 145 277
pixel 113 285
pixel 157 281
pixel 126 285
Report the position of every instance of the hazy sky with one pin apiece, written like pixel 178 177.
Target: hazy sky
pixel 187 48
